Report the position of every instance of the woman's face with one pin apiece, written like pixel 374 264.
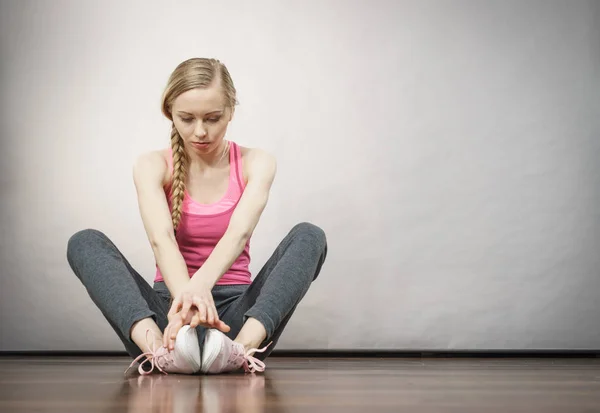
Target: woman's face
pixel 201 118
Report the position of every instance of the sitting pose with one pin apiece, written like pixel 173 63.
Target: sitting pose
pixel 200 200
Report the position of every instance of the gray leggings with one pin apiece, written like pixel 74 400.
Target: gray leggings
pixel 124 297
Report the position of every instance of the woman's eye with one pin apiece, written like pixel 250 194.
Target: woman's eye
pixel 213 120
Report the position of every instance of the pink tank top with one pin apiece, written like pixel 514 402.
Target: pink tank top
pixel 203 225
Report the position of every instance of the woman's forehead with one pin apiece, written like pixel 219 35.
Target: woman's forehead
pixel 200 101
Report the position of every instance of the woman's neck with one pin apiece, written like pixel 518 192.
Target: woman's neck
pixel 214 160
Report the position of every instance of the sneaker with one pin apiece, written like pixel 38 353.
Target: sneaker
pixel 184 359
pixel 221 354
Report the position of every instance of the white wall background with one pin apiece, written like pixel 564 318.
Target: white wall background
pixel 449 149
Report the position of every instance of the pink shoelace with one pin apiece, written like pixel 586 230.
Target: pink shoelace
pixel 252 364
pixel 165 356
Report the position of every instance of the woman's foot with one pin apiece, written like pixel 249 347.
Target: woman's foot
pixel 184 359
pixel 221 354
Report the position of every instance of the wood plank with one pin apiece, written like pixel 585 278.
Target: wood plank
pixel 97 384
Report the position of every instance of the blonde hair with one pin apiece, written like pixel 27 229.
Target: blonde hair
pixel 191 74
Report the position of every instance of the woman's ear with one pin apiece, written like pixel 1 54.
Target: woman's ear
pixel 231 112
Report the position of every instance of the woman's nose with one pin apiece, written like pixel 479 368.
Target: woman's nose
pixel 199 131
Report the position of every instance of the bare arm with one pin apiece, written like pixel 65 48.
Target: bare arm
pixel 262 168
pixel 148 173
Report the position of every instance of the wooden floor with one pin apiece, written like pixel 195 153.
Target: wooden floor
pixel 97 384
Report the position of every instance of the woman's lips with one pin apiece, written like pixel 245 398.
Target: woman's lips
pixel 202 145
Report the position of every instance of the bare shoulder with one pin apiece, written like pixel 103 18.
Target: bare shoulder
pixel 258 162
pixel 152 165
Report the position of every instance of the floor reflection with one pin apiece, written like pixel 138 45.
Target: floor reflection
pixel 207 394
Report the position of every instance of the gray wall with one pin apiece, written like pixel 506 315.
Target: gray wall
pixel 449 149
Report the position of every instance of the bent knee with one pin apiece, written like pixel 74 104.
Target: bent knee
pixel 81 240
pixel 311 230
pixel 317 239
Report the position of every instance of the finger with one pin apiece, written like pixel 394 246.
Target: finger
pixel 201 306
pixel 195 319
pixel 166 335
pixel 174 307
pixel 195 322
pixel 177 324
pixel 185 307
pixel 167 342
pixel 216 322
pixel 223 327
pixel 211 315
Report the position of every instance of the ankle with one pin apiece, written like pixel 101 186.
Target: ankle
pixel 247 344
pixel 252 334
pixel 146 340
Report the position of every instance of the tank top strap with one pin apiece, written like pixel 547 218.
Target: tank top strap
pixel 236 163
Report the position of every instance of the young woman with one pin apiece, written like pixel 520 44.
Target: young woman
pixel 200 201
